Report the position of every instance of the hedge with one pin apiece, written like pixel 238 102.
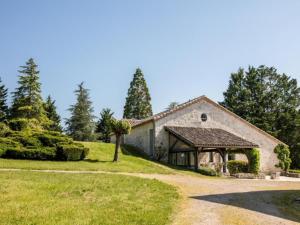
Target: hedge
pixel 71 152
pixel 50 140
pixel 294 171
pixel 237 166
pixel 45 153
pixel 207 171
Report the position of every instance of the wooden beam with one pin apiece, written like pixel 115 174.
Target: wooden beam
pixel 196 159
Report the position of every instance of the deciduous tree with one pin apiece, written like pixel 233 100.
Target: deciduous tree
pixel 269 100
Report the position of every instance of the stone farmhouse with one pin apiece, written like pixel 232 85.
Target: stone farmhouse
pixel 198 132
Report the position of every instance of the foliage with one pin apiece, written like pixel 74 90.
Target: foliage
pixel 3 104
pixel 104 125
pixel 119 128
pixel 45 145
pixel 253 156
pixel 207 171
pixel 51 139
pixel 52 115
pixel 4 130
pixel 138 105
pixel 41 153
pixel 283 155
pixel 294 171
pixel 27 100
pixel 80 126
pixel 268 100
pixel 160 153
pixel 172 105
pixel 237 166
pixel 71 152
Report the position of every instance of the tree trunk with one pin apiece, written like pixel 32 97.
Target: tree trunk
pixel 118 143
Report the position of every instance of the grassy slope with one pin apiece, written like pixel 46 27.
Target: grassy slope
pixel 38 198
pixel 99 158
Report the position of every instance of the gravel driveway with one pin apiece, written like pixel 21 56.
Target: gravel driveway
pixel 220 201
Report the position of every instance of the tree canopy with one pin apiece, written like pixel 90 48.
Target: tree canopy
pixel 269 100
pixel 80 126
pixel 138 101
pixel 27 100
pixel 3 102
pixel 172 105
pixel 52 114
pixel 104 125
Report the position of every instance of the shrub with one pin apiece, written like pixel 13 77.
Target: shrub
pixel 253 156
pixel 71 152
pixel 50 140
pixel 237 166
pixel 283 155
pixel 25 139
pixel 4 130
pixel 294 171
pixel 207 171
pixel 45 153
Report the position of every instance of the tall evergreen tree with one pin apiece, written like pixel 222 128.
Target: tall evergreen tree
pixel 269 100
pixel 104 125
pixel 3 104
pixel 138 101
pixel 81 126
pixel 52 115
pixel 27 100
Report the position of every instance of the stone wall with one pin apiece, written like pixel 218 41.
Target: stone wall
pixel 218 118
pixel 140 137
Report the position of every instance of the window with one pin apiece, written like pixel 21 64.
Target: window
pixel 203 117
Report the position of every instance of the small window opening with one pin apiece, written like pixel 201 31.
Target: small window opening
pixel 203 117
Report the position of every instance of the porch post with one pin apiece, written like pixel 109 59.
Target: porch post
pixel 196 159
pixel 225 159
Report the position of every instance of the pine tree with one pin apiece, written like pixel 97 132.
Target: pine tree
pixel 27 100
pixel 138 105
pixel 3 99
pixel 52 115
pixel 80 126
pixel 104 125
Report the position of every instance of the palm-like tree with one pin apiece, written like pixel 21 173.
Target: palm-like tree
pixel 119 128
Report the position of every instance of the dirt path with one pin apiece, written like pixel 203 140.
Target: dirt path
pixel 211 201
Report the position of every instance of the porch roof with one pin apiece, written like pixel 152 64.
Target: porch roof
pixel 209 137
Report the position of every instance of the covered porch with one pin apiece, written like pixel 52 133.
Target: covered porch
pixel 187 143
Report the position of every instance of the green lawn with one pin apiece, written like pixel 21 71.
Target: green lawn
pixel 77 199
pixel 99 158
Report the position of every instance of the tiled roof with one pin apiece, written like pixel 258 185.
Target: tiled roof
pixel 209 137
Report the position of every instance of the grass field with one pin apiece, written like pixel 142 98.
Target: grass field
pixel 99 158
pixel 64 199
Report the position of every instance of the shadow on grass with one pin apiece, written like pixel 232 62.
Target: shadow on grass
pixel 279 203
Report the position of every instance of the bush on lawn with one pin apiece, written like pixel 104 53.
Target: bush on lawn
pixel 207 171
pixel 52 139
pixel 26 139
pixel 237 166
pixel 71 152
pixel 45 153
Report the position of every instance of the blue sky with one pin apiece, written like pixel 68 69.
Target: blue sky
pixel 185 48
